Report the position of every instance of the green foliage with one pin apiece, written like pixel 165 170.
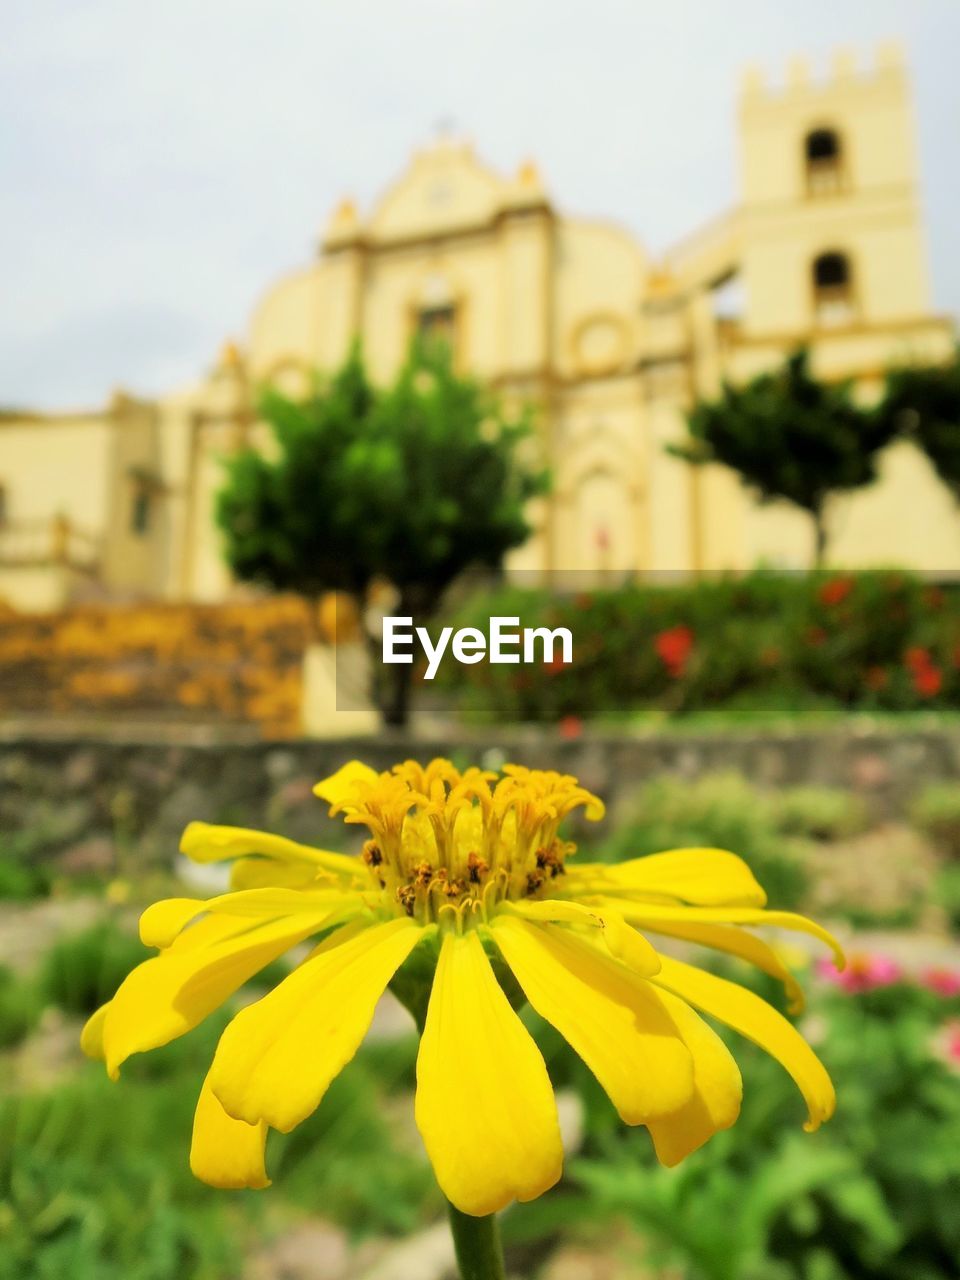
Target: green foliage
pixel 870 1196
pixel 923 404
pixel 82 971
pixel 411 484
pixel 721 811
pixel 357 1156
pixel 946 892
pixel 19 1007
pixel 288 520
pixel 22 876
pixel 791 436
pixel 819 813
pixel 446 476
pixel 20 882
pixel 94 1182
pixel 873 641
pixel 936 811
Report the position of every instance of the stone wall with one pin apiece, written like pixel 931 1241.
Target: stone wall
pixel 89 803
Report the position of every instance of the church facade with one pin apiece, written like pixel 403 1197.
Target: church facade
pixel 825 248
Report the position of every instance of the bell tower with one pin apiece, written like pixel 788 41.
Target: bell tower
pixel 831 225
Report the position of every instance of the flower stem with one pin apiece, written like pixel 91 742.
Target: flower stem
pixel 477 1245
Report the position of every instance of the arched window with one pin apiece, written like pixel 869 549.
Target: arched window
pixel 833 302
pixel 823 156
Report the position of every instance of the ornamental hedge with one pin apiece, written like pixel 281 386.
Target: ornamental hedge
pixel 879 640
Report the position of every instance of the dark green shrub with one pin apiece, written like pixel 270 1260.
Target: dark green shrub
pixel 80 972
pixel 20 1007
pixel 20 881
pixel 22 875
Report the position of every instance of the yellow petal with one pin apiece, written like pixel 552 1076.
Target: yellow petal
pixel 621 941
pixel 707 877
pixel 745 946
pixel 717 1089
pixel 614 1019
pixel 271 902
pixel 225 1152
pixel 485 1107
pixel 91 1037
pixel 277 1057
pixel 654 915
pixel 162 921
pixel 342 786
pixel 262 873
pixel 759 1022
pixel 169 994
pixel 205 843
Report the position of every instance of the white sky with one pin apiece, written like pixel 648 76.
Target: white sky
pixel 161 164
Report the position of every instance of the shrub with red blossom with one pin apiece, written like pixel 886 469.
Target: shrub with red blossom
pixel 674 647
pixel 835 591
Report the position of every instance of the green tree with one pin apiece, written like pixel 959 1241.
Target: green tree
pixel 923 404
pixel 792 437
pixel 411 484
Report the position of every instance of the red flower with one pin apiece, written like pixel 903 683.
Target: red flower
pixel 928 681
pixel 673 649
pixel 835 591
pixel 554 665
pixel 917 658
pixel 877 678
pixel 570 727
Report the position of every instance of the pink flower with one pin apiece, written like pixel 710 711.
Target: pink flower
pixel 864 972
pixel 946 1044
pixel 942 982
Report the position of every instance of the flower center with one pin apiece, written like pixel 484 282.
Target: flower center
pixel 445 844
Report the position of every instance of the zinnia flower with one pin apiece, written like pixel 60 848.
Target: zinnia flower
pixel 863 972
pixel 942 982
pixel 464 900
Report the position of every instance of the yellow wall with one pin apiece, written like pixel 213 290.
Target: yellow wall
pixel 57 464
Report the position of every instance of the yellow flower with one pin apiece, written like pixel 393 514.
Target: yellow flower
pixel 463 891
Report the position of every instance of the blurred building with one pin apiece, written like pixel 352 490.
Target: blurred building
pixel 825 247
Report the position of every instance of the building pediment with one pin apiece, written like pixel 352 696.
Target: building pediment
pixel 445 190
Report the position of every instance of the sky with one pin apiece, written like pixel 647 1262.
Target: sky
pixel 161 165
